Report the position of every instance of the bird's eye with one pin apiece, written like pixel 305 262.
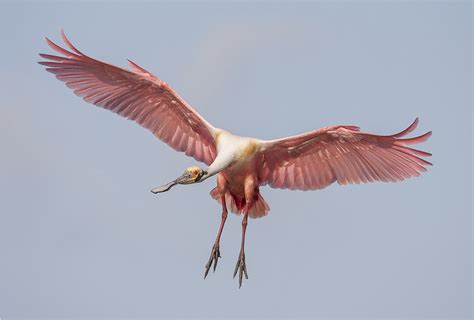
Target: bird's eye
pixel 199 175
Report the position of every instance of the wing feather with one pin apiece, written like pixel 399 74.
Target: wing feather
pixel 135 94
pixel 316 159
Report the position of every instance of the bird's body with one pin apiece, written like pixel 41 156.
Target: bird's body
pixel 308 161
pixel 237 164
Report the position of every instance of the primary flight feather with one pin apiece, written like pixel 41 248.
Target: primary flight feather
pixel 307 161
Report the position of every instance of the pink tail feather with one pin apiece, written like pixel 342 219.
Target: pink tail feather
pixel 259 207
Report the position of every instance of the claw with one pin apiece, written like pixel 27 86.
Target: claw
pixel 241 268
pixel 215 255
pixel 215 262
pixel 240 277
pixel 236 268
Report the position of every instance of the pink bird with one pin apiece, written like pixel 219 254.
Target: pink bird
pixel 308 161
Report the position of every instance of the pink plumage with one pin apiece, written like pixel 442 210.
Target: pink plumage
pixel 316 159
pixel 137 95
pixel 308 161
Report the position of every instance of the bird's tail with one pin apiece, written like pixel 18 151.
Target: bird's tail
pixel 259 207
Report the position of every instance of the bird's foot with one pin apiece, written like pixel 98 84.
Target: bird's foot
pixel 215 255
pixel 241 268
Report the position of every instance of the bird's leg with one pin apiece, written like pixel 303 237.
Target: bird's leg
pixel 240 266
pixel 215 254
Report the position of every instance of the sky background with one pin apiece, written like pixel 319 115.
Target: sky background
pixel 82 236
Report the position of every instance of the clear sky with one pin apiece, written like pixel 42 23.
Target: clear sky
pixel 82 236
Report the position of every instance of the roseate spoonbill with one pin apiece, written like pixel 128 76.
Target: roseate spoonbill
pixel 308 161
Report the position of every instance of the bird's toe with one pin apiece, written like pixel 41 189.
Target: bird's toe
pixel 213 259
pixel 241 268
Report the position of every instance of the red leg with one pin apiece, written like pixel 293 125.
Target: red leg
pixel 215 254
pixel 249 187
pixel 241 266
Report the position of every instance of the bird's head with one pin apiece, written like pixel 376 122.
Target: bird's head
pixel 191 175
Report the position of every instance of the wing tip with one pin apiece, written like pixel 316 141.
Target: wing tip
pixel 49 42
pixel 69 44
pixel 57 48
pixel 406 131
pixel 415 140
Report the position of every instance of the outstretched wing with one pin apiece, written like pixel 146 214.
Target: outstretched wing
pixel 318 158
pixel 137 95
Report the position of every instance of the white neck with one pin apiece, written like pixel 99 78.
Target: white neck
pixel 220 163
pixel 230 148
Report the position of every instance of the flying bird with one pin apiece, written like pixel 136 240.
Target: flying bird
pixel 308 161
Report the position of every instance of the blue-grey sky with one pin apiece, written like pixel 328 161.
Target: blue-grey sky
pixel 82 236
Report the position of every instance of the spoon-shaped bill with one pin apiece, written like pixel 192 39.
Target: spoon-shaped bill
pixel 164 187
pixel 185 178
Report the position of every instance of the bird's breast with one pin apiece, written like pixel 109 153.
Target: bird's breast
pixel 240 149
